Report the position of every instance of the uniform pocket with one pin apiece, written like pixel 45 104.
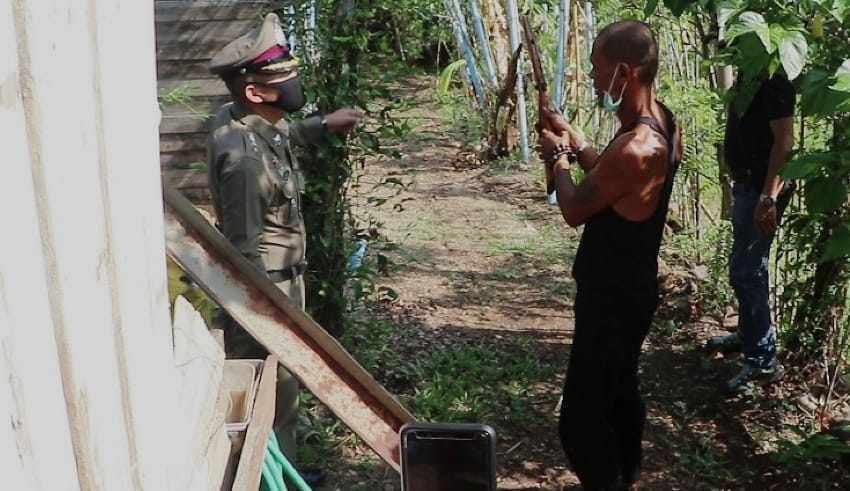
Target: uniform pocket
pixel 287 197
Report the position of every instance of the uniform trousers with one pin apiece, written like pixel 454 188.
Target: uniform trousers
pixel 241 345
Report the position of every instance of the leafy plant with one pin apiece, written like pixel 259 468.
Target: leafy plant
pixel 182 95
pixel 447 75
pixel 812 449
pixel 179 284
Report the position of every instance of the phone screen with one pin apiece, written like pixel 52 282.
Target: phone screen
pixel 443 460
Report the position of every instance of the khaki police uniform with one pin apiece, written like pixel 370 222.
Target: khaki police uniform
pixel 256 187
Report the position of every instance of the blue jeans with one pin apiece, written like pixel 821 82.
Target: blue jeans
pixel 748 276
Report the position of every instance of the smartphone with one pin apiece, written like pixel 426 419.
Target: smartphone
pixel 448 457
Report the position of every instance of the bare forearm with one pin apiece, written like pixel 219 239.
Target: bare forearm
pixel 566 188
pixel 783 142
pixel 772 181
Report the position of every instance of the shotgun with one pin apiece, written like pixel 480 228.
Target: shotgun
pixel 543 100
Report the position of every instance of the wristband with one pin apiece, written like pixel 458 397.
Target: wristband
pixel 559 151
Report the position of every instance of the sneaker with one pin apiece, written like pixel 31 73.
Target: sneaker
pixel 750 377
pixel 730 343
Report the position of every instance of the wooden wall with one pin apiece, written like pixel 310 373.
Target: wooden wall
pixel 188 34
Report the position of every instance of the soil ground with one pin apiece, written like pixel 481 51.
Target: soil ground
pixel 467 273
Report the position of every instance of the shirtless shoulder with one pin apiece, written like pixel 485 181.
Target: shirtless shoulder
pixel 634 154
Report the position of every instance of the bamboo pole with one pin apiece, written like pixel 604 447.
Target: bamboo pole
pixel 522 116
pixel 483 42
pixel 577 58
pixel 563 26
pixel 462 37
pixel 589 33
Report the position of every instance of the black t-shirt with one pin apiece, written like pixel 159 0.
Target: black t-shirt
pixel 748 137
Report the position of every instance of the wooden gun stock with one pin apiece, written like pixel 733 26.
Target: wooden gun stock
pixel 543 100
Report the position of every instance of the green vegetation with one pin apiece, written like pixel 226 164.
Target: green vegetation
pixel 364 48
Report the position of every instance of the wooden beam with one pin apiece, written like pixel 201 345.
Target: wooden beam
pixel 257 434
pixel 286 331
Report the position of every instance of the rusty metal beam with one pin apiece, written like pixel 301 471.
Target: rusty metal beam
pixel 302 346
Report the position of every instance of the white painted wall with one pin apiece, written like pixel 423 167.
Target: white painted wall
pixel 86 358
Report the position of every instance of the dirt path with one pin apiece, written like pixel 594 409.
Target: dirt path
pixel 483 261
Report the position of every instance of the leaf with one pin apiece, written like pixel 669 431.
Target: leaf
pixel 649 8
pixel 725 11
pixel 751 22
pixel 818 99
pixel 842 78
pixel 839 10
pixel 807 165
pixel 447 75
pixel 677 6
pixel 793 49
pixel 752 57
pixel 838 246
pixel 824 194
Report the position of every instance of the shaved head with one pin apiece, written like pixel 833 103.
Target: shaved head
pixel 631 42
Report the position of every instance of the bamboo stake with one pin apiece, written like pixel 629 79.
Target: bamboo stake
pixel 577 56
pixel 462 36
pixel 563 26
pixel 522 116
pixel 483 42
pixel 589 33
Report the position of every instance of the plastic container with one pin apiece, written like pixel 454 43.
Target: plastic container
pixel 240 383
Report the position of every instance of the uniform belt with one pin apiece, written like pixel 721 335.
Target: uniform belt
pixel 289 273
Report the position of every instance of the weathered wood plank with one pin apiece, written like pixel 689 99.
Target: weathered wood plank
pixel 197 40
pixel 177 143
pixel 211 87
pixel 36 449
pixel 101 283
pixel 257 433
pixel 196 107
pixel 182 124
pixel 187 178
pixel 184 69
pixel 200 10
pixel 182 160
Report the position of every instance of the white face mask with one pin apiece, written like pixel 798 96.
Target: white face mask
pixel 608 102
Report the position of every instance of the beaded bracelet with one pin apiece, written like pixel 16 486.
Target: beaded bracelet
pixel 561 150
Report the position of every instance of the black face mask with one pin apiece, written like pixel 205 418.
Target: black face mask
pixel 290 95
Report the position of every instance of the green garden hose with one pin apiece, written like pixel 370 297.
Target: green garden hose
pixel 276 466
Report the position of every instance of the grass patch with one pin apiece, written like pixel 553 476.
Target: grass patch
pixel 550 243
pixel 476 384
pixel 370 343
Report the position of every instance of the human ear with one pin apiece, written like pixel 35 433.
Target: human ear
pixel 253 93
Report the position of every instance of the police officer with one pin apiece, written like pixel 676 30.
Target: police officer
pixel 255 181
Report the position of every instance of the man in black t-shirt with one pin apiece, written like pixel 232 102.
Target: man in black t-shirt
pixel 757 145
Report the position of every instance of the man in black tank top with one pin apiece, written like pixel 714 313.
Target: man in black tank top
pixel 622 203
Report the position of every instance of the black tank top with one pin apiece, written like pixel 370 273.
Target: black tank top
pixel 617 251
